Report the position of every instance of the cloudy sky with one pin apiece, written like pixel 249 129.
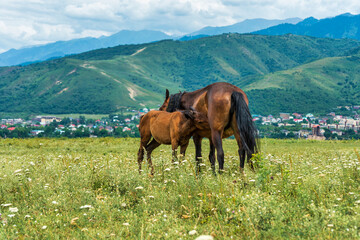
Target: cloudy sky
pixel 32 22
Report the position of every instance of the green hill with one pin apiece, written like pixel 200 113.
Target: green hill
pixel 102 81
pixel 313 87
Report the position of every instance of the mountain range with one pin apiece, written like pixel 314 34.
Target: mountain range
pixel 342 26
pixel 246 26
pixel 58 49
pixel 285 73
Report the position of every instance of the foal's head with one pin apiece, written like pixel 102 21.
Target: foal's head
pixel 199 119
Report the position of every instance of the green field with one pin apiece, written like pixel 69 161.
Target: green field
pixel 91 189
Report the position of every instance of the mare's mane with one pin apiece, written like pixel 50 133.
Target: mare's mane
pixel 174 102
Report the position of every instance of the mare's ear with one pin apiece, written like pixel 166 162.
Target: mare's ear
pixel 167 94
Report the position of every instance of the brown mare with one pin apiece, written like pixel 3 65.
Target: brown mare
pixel 228 114
pixel 174 128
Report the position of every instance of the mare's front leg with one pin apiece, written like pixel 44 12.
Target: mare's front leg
pixel 149 148
pixel 197 141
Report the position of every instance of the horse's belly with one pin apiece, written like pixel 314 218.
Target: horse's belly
pixel 162 140
pixel 161 133
pixel 207 133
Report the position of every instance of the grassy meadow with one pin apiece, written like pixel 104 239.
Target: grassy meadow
pixel 91 189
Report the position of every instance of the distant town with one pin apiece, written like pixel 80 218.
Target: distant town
pixel 342 123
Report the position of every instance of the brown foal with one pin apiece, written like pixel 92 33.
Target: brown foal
pixel 174 128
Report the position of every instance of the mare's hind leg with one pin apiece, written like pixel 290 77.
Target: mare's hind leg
pixel 241 150
pixel 216 137
pixel 149 148
pixel 212 156
pixel 197 141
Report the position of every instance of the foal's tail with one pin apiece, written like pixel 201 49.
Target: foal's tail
pixel 245 124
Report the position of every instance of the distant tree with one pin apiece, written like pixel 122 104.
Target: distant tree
pixel 327 133
pixel 82 120
pixel 65 121
pixel 49 130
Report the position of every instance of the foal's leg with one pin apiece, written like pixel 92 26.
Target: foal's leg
pixel 197 141
pixel 183 150
pixel 174 146
pixel 145 138
pixel 149 148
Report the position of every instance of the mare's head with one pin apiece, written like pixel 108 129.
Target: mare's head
pixel 172 102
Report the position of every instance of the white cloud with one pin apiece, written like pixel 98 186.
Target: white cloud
pixel 28 22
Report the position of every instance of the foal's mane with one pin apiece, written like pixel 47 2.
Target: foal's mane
pixel 174 102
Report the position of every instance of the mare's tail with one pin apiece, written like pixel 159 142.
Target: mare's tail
pixel 245 124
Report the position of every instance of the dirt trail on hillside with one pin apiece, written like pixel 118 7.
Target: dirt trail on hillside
pixel 138 51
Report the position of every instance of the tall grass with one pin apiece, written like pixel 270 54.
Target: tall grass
pixel 91 188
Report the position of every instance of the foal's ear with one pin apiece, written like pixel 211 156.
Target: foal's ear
pixel 167 94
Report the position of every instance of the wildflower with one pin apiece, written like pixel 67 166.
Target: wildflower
pixel 27 216
pixel 73 221
pixel 167 169
pixel 44 227
pixel 32 163
pixel 139 188
pixel 123 204
pixel 252 180
pixel 357 202
pixel 192 232
pixel 14 209
pixel 17 171
pixel 11 215
pixel 151 197
pixel 54 202
pixel 6 204
pixel 126 224
pixel 86 206
pixel 330 225
pixel 204 237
